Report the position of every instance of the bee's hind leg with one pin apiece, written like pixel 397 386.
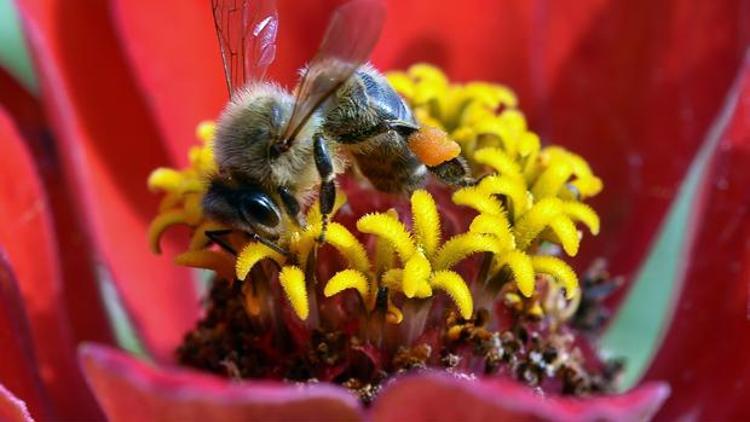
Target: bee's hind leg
pixel 454 172
pixel 327 196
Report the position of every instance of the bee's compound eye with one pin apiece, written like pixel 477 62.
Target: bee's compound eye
pixel 257 207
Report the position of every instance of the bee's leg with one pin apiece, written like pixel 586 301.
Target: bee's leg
pixel 327 195
pixel 454 172
pixel 217 236
pixel 290 204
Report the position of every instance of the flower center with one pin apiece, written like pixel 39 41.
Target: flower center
pixel 470 280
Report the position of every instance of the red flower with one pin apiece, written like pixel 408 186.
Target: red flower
pixel 633 87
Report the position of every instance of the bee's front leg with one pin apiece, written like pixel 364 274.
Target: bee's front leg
pixel 327 196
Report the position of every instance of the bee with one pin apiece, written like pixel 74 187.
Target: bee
pixel 275 150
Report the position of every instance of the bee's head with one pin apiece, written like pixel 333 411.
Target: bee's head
pixel 248 129
pixel 243 206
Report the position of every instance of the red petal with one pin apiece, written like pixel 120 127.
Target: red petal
pixel 18 368
pixel 13 409
pixel 178 69
pixel 442 397
pixel 705 354
pixel 20 104
pixel 636 94
pixel 632 86
pixel 129 389
pixel 27 236
pixel 81 295
pixel 109 145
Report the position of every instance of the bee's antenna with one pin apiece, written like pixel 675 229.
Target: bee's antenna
pixel 217 236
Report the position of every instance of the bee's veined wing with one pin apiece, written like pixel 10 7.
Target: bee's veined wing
pixel 349 39
pixel 246 30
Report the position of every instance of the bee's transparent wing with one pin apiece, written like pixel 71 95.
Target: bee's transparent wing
pixel 246 30
pixel 349 39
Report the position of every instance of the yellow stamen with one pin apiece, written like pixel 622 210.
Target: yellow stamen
pixel 491 95
pixel 521 266
pixel 567 233
pixel 426 221
pixel 579 211
pixel 456 287
pixel 401 82
pixel 552 180
pixel 251 255
pixel 206 131
pixel 348 246
pixel 389 228
pixel 529 144
pixel 347 279
pixel 535 220
pixel 515 189
pixel 588 186
pixel 479 199
pixel 499 161
pixel 165 179
pixel 292 280
pixel 301 243
pixel 461 246
pixel 558 269
pixel 384 252
pixel 392 279
pixel 416 275
pixel 496 225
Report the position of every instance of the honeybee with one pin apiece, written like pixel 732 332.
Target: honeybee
pixel 274 149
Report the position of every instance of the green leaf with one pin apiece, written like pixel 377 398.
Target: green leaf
pixel 14 57
pixel 642 320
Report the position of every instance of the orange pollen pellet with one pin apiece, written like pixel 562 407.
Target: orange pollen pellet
pixel 433 146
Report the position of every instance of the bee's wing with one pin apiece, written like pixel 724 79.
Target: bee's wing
pixel 246 30
pixel 349 39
